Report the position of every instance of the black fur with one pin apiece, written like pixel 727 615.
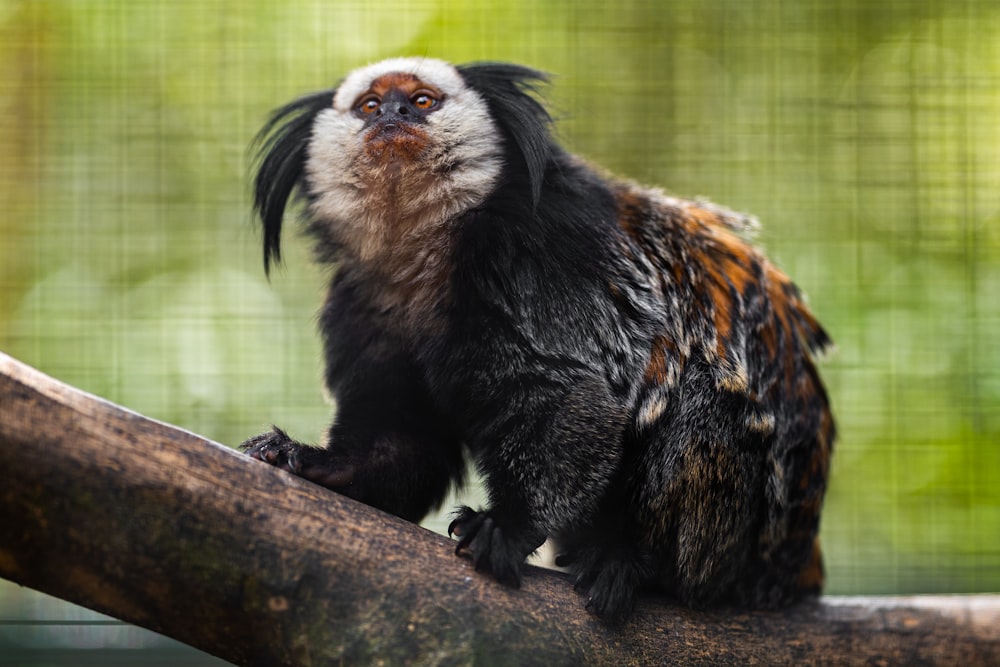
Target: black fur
pixel 522 118
pixel 632 379
pixel 280 149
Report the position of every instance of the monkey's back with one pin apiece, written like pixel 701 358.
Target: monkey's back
pixel 729 445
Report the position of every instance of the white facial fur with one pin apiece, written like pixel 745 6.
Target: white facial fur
pixel 371 208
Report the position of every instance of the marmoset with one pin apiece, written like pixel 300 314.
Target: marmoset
pixel 632 378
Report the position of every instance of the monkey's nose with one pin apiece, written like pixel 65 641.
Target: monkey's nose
pixel 400 109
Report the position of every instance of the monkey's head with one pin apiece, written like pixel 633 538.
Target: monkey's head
pixel 398 144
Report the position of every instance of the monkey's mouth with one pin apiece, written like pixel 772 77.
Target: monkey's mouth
pixel 395 141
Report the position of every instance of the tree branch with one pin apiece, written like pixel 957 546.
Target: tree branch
pixel 159 527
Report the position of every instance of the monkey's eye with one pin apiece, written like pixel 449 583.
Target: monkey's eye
pixel 368 105
pixel 424 101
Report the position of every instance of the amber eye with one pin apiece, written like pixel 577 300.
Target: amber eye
pixel 424 101
pixel 368 105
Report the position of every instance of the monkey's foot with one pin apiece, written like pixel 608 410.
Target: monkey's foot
pixel 611 577
pixel 491 546
pixel 315 464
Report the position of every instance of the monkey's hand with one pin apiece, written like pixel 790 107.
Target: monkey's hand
pixel 491 546
pixel 312 463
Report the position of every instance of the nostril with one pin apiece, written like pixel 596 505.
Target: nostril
pixel 403 111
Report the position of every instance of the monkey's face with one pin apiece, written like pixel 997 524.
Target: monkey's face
pixel 395 110
pixel 404 137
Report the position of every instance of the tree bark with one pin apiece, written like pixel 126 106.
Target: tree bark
pixel 159 527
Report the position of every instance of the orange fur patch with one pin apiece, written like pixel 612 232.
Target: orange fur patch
pixel 810 579
pixel 656 369
pixel 726 259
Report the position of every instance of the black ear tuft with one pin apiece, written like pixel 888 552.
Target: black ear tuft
pixel 509 92
pixel 279 157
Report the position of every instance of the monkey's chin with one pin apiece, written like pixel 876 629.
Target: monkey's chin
pixel 393 159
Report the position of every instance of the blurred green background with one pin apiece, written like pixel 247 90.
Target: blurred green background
pixel 865 135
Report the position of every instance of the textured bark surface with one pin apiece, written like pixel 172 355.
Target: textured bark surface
pixel 159 527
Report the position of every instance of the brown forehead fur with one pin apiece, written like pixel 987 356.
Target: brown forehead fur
pixel 404 81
